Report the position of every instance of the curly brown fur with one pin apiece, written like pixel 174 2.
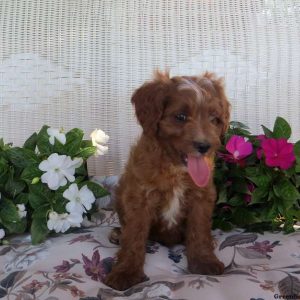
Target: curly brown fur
pixel 182 118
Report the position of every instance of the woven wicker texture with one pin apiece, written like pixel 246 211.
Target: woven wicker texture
pixel 75 63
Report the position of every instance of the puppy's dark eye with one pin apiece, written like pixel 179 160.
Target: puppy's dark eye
pixel 214 119
pixel 182 117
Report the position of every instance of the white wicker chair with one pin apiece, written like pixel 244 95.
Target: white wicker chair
pixel 75 63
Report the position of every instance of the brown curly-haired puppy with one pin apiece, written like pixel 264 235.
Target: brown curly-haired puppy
pixel 167 193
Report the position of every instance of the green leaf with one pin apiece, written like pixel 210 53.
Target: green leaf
pixel 222 224
pixel 31 172
pixel 3 170
pixel 14 187
pixel 73 141
pixel 236 124
pixel 252 171
pixel 295 213
pixel 237 131
pixel 297 151
pixel 268 133
pixel 86 152
pixel 288 223
pixel 97 189
pixel 269 212
pixel 10 218
pixel 22 198
pixel 59 203
pixel 243 216
pixel 86 144
pixel 82 170
pixel 43 143
pixel 3 146
pixel 38 230
pixel 261 180
pixel 282 129
pixel 236 200
pixel 30 143
pixel 297 167
pixel 240 185
pixel 297 180
pixel 39 195
pixel 279 205
pixel 8 210
pixel 222 196
pixel 259 195
pixel 41 212
pixel 16 227
pixel 287 192
pixel 22 158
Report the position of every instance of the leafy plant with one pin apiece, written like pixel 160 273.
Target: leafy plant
pixel 258 179
pixel 44 185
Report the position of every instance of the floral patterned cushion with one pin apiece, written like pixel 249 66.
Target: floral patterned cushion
pixel 72 266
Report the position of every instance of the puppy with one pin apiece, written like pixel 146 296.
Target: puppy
pixel 166 193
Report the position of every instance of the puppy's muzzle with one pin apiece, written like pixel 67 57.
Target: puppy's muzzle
pixel 201 147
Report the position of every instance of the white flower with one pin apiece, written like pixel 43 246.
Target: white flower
pixel 21 210
pixel 80 200
pixel 62 222
pixel 2 234
pixel 59 169
pixel 99 140
pixel 58 134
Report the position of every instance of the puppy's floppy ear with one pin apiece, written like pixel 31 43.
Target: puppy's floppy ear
pixel 215 85
pixel 149 101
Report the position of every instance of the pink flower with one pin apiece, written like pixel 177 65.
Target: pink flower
pixel 239 147
pixel 278 153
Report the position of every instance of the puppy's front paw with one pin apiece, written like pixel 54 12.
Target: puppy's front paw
pixel 206 266
pixel 122 280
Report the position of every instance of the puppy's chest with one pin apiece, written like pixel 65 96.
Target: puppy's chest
pixel 172 210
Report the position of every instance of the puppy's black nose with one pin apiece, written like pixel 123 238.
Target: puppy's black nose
pixel 202 147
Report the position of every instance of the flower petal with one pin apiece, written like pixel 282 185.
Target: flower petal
pixel 72 192
pixel 61 137
pixel 287 163
pixel 231 144
pixel 2 234
pixel 75 207
pixel 87 197
pixel 269 147
pixel 68 173
pixel 75 219
pixel 44 166
pixel 244 149
pixel 51 140
pixel 101 150
pixel 51 178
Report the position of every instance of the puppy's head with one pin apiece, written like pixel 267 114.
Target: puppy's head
pixel 187 115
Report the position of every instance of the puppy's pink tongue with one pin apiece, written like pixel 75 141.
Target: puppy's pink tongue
pixel 199 170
